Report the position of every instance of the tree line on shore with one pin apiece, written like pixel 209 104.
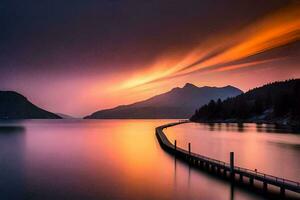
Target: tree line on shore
pixel 276 100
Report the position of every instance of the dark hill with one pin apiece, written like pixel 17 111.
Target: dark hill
pixel 177 103
pixel 16 106
pixel 276 102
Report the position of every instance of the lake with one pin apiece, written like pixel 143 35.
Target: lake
pixel 121 159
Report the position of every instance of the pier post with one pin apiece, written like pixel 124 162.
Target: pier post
pixel 175 144
pixel 282 191
pixel 218 170
pixel 225 173
pixel 189 148
pixel 251 181
pixel 232 165
pixel 213 168
pixel 265 186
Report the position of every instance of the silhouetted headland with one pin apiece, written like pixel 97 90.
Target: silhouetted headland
pixel 15 106
pixel 177 103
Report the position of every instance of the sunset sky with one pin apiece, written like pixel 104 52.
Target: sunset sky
pixel 78 56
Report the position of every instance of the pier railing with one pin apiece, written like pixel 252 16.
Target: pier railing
pixel 271 177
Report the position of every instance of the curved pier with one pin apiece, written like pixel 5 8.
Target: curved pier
pixel 222 168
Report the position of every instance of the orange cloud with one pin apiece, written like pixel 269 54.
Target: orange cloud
pixel 273 31
pixel 243 65
pixel 277 29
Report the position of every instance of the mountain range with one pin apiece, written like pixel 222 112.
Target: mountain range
pixel 15 106
pixel 178 103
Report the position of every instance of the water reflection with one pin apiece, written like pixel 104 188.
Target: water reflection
pixel 175 172
pixel 12 146
pixel 11 129
pixel 228 126
pixel 232 191
pixel 240 127
pixel 211 126
pixel 276 128
pixel 121 159
pixel 285 145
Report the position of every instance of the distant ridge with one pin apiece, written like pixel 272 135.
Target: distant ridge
pixel 177 103
pixel 15 106
pixel 276 102
pixel 64 116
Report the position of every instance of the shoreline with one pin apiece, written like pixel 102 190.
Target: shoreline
pixel 294 125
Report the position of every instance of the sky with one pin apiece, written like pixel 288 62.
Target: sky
pixel 79 56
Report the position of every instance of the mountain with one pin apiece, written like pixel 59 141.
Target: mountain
pixel 275 103
pixel 177 103
pixel 15 106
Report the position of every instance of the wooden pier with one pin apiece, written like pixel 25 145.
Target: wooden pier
pixel 222 168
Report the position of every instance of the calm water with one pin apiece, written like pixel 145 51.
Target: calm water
pixel 121 159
